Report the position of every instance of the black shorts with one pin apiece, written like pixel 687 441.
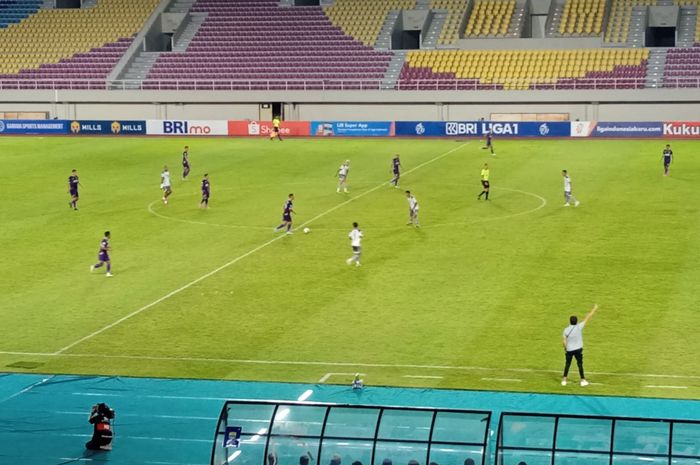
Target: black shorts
pixel 485 184
pixel 287 217
pixel 74 193
pixel 205 195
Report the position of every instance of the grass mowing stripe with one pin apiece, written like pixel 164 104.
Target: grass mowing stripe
pixel 241 257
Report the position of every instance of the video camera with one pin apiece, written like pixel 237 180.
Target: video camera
pixel 103 410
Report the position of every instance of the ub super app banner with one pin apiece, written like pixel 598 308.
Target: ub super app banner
pixel 264 128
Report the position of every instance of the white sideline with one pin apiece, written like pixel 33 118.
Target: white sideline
pixel 338 364
pixel 241 257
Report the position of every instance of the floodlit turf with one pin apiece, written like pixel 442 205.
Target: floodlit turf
pixel 477 298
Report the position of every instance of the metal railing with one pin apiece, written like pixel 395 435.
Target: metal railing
pixel 339 84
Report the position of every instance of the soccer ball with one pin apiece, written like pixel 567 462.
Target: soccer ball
pixel 307 230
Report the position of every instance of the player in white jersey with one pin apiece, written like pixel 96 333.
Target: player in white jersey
pixel 567 190
pixel 343 176
pixel 165 184
pixel 355 241
pixel 412 210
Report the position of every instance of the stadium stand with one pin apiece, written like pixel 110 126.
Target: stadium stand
pixel 620 18
pixel 682 67
pixel 490 18
pixel 582 17
pixel 456 10
pixel 244 40
pixel 54 46
pixel 696 4
pixel 363 19
pixel 524 69
pixel 14 11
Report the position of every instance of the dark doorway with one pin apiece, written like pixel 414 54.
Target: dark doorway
pixel 408 40
pixel 68 3
pixel 277 108
pixel 307 2
pixel 661 37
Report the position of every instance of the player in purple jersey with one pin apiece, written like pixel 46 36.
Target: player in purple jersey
pixel 103 255
pixel 287 212
pixel 489 143
pixel 396 171
pixel 206 190
pixel 73 183
pixel 185 163
pixel 668 159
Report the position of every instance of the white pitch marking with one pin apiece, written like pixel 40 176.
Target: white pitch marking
pixel 339 364
pixel 27 389
pixel 422 377
pixel 241 257
pixel 666 387
pixel 503 380
pixel 325 377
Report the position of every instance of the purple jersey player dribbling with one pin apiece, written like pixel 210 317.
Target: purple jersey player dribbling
pixel 103 255
pixel 287 211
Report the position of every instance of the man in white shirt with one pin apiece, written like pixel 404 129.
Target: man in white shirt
pixel 412 210
pixel 165 184
pixel 343 176
pixel 573 345
pixel 567 190
pixel 355 241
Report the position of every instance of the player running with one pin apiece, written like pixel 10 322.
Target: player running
pixel 103 255
pixel 412 210
pixel 287 212
pixel 668 159
pixel 165 184
pixel 343 176
pixel 567 190
pixel 396 171
pixel 276 122
pixel 73 183
pixel 185 163
pixel 484 182
pixel 355 240
pixel 489 143
pixel 206 191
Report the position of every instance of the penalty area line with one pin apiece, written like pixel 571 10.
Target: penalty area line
pixel 241 257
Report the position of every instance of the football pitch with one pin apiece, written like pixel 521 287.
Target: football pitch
pixel 477 298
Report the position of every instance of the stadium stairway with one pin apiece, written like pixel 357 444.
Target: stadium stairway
pixel 687 25
pixel 384 38
pixel 434 29
pixel 656 67
pixel 394 71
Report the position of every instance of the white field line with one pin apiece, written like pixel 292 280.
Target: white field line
pixel 339 364
pixel 666 387
pixel 327 376
pixel 27 389
pixel 241 257
pixel 503 380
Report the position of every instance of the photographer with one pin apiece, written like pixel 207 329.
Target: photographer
pixel 101 416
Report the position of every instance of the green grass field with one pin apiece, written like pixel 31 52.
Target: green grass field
pixel 477 298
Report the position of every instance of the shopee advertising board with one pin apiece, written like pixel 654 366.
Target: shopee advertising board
pixel 158 127
pixel 264 128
